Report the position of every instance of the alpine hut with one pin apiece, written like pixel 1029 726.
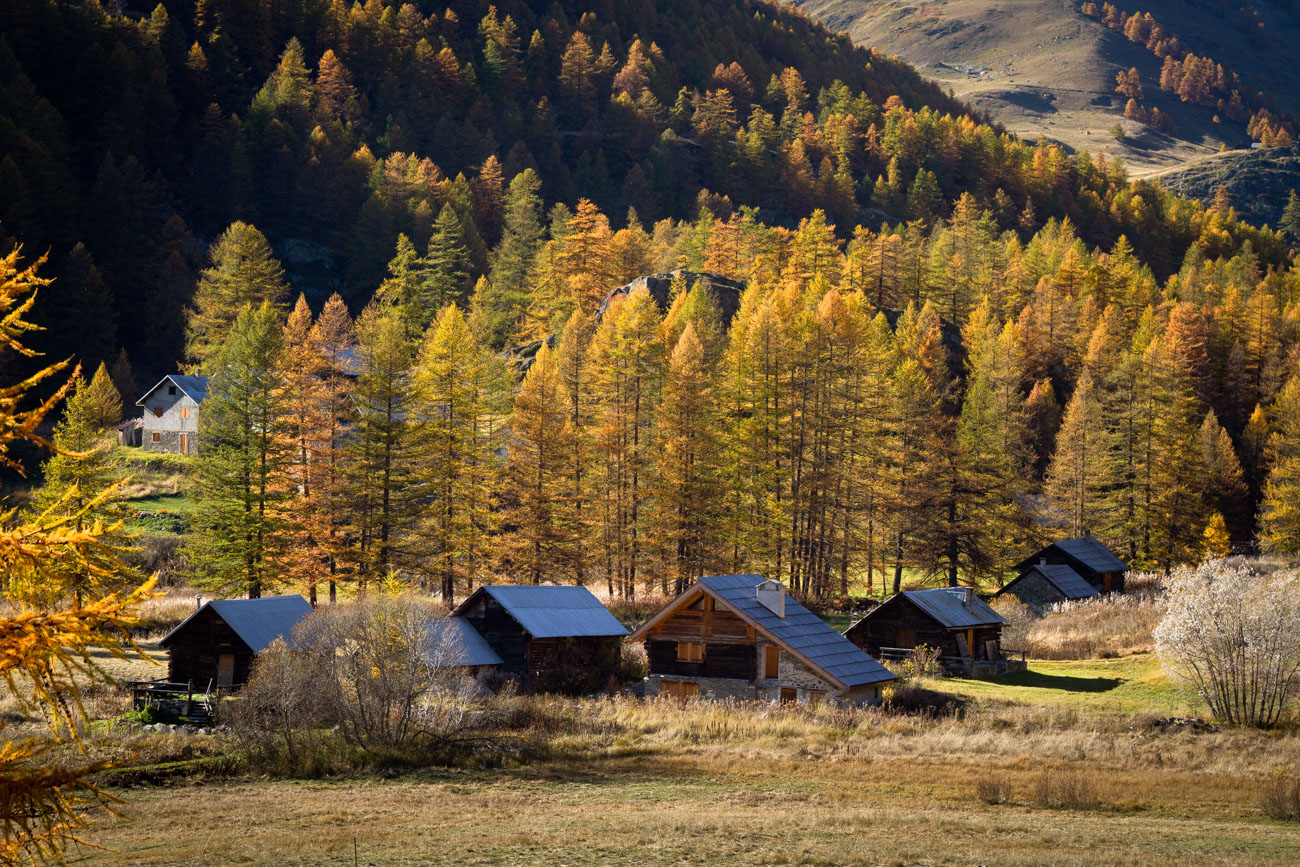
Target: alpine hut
pixel 965 630
pixel 1045 584
pixel 217 643
pixel 1087 556
pixel 743 637
pixel 549 639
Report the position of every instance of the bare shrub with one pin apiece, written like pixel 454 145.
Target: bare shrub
pixel 1066 790
pixel 993 790
pixel 1279 796
pixel 160 554
pixel 1233 634
pixel 1019 617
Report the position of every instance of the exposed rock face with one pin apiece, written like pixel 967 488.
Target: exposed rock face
pixel 1258 182
pixel 726 292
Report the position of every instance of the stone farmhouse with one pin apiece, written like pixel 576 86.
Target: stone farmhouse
pixel 171 414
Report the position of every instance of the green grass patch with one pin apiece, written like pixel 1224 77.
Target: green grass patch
pixel 1133 684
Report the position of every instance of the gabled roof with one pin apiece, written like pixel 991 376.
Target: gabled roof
pixel 257 622
pixel 948 607
pixel 801 632
pixel 552 612
pixel 1087 551
pixel 1071 584
pixel 195 387
pixel 455 642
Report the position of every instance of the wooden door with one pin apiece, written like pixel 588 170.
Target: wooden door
pixel 185 444
pixel 789 696
pixel 771 662
pixel 225 669
pixel 904 638
pixel 1106 582
pixel 679 688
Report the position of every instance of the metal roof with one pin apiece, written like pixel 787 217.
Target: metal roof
pixel 257 622
pixel 195 387
pixel 554 612
pixel 801 631
pixel 948 605
pixel 1071 584
pixel 454 642
pixel 1087 551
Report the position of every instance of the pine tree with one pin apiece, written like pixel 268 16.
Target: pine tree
pixel 1289 222
pixel 446 267
pixel 1279 511
pixel 521 237
pixel 242 481
pixel 458 390
pixel 543 525
pixel 244 273
pixel 1075 476
pixel 104 399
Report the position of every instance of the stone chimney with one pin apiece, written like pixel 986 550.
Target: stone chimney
pixel 771 595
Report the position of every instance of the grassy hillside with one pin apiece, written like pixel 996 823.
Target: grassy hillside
pixel 1042 67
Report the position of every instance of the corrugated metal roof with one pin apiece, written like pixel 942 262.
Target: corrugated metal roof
pixel 455 642
pixel 948 606
pixel 257 622
pixel 1071 584
pixel 556 612
pixel 194 386
pixel 1088 551
pixel 800 630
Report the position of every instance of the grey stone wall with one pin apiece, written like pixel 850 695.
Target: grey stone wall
pixel 710 687
pixel 1035 591
pixel 169 441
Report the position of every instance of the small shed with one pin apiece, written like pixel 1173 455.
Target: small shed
pixel 1088 557
pixel 549 638
pixel 743 637
pixel 455 643
pixel 216 645
pixel 1045 584
pixel 967 632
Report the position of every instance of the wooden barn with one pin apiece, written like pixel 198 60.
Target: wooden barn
pixel 216 645
pixel 1088 557
pixel 1046 584
pixel 549 639
pixel 967 632
pixel 743 637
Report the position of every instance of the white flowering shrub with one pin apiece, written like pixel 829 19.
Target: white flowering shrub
pixel 1233 634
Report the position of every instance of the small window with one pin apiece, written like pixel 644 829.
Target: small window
pixel 771 662
pixel 690 651
pixel 185 412
pixel 158 412
pixel 157 437
pixel 171 390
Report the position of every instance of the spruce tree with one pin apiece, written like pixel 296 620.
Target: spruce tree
pixel 1279 511
pixel 244 273
pixel 242 479
pixel 104 398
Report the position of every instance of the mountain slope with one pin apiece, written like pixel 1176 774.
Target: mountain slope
pixel 1044 67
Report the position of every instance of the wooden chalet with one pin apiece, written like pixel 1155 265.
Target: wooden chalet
pixel 743 637
pixel 216 645
pixel 966 631
pixel 1088 557
pixel 1046 584
pixel 549 639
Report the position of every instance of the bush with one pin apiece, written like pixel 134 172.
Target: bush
pixel 1233 634
pixel 993 790
pixel 1280 796
pixel 923 661
pixel 1066 790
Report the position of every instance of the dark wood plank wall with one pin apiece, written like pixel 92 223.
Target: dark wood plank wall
pixel 721 659
pixel 193 652
pixel 501 631
pixel 573 666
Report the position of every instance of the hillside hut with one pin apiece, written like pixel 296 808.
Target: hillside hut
pixel 171 414
pixel 1088 557
pixel 743 637
pixel 966 631
pixel 549 639
pixel 217 644
pixel 1045 584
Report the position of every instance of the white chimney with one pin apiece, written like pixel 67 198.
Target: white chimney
pixel 963 594
pixel 771 595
